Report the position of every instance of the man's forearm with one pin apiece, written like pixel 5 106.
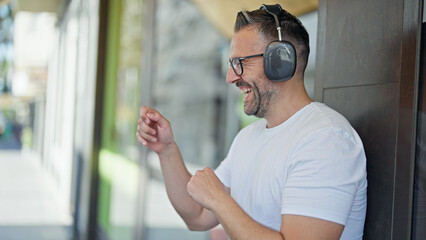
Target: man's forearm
pixel 206 188
pixel 238 224
pixel 176 178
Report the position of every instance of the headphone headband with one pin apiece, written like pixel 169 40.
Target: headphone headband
pixel 274 10
pixel 279 58
pixel 271 9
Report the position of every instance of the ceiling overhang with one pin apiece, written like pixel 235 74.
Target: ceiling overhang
pixel 3 2
pixel 222 13
pixel 38 5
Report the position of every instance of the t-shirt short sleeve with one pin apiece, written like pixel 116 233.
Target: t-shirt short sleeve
pixel 223 172
pixel 324 172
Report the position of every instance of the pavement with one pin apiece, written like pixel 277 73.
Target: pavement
pixel 30 210
pixel 28 206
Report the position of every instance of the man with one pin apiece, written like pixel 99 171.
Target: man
pixel 298 173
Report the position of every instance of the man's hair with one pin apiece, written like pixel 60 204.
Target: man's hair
pixel 292 30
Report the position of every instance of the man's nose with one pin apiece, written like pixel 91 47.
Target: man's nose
pixel 231 77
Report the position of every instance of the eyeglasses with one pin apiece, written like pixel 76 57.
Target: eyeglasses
pixel 237 65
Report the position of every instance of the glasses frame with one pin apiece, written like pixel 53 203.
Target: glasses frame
pixel 230 62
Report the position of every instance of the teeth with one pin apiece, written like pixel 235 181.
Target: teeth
pixel 246 91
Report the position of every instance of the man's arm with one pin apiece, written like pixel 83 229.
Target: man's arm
pixel 207 190
pixel 154 131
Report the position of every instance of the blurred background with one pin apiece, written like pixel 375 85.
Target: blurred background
pixel 73 74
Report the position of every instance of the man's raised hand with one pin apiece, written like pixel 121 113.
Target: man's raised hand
pixel 154 130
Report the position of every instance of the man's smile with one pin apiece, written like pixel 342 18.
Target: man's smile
pixel 245 88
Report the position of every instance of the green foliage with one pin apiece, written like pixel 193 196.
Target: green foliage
pixel 27 137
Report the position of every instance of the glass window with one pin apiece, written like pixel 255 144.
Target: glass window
pixel 190 90
pixel 118 166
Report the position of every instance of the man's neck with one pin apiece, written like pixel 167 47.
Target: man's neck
pixel 292 98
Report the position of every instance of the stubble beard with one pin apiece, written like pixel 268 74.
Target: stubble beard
pixel 261 100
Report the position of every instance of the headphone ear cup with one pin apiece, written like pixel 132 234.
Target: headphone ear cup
pixel 279 61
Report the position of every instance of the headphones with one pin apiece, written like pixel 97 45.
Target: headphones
pixel 279 59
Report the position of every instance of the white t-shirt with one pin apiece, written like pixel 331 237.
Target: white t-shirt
pixel 313 165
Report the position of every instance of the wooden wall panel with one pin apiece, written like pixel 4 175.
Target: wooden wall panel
pixel 367 69
pixel 370 111
pixel 363 35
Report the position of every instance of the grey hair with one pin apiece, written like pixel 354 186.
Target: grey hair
pixel 247 16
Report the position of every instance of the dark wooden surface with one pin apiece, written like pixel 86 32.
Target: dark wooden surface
pixel 367 69
pixel 419 209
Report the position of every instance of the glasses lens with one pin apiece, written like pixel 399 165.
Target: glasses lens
pixel 236 65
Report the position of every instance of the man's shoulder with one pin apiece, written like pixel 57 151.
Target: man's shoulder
pixel 322 116
pixel 319 118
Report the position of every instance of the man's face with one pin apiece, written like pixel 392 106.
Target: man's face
pixel 258 90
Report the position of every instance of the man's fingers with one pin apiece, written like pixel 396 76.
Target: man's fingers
pixel 157 117
pixel 148 115
pixel 153 128
pixel 144 110
pixel 146 127
pixel 209 170
pixel 140 139
pixel 146 136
